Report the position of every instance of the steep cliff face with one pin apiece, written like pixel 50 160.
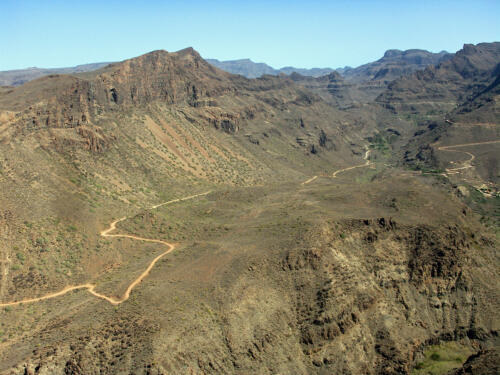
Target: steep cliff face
pixel 483 107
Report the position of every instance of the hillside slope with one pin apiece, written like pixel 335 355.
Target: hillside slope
pixel 160 215
pixel 143 129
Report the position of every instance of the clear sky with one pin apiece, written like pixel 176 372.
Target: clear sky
pixel 56 33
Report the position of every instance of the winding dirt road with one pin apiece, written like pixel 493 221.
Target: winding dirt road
pixel 467 163
pixel 367 163
pixel 91 287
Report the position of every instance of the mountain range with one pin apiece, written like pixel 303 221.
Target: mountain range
pixel 19 76
pixel 161 215
pixel 250 69
pixel 393 64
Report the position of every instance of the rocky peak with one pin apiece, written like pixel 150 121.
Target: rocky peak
pixel 392 53
pixel 334 77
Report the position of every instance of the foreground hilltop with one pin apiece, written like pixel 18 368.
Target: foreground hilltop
pixel 160 215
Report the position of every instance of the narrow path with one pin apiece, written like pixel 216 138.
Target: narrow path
pixel 310 180
pixel 4 263
pixel 91 287
pixel 4 272
pixel 367 163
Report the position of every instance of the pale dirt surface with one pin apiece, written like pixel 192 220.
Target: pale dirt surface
pixel 4 265
pixel 4 271
pixel 367 163
pixel 310 180
pixel 467 163
pixel 91 287
pixel 367 153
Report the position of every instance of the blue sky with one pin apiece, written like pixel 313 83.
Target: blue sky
pixel 55 33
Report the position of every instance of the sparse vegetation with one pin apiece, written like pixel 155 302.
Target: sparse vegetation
pixel 440 359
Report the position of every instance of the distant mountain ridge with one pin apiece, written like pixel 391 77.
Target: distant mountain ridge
pixel 394 64
pixel 250 69
pixel 448 84
pixel 20 76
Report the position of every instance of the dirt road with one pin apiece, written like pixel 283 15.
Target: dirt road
pixel 367 154
pixel 467 163
pixel 310 180
pixel 367 163
pixel 91 287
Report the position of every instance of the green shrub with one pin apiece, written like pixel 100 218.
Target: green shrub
pixel 435 357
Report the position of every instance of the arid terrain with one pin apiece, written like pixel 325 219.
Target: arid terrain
pixel 162 216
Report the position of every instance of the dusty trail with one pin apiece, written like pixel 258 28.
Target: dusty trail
pixel 4 272
pixel 467 163
pixel 91 287
pixel 4 263
pixel 310 180
pixel 367 163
